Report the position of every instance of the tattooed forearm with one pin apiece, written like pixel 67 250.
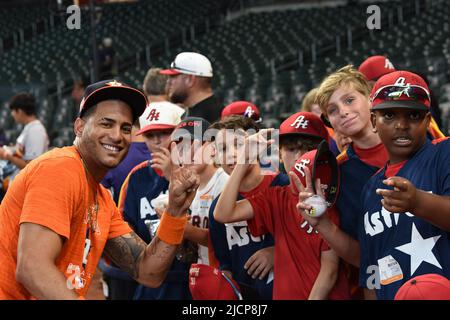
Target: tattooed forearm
pixel 126 252
pixel 152 247
pixel 146 264
pixel 165 249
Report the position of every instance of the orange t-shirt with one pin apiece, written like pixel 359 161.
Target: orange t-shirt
pixel 53 191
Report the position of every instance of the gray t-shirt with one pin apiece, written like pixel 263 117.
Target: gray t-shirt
pixel 33 139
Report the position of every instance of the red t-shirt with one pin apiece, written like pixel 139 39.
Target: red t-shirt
pixel 376 156
pixel 393 169
pixel 298 246
pixel 265 183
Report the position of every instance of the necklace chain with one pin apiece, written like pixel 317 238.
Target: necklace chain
pixel 92 214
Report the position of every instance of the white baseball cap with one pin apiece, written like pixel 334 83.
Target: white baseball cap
pixel 190 63
pixel 159 116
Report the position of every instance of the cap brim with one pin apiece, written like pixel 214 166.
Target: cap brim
pixel 256 120
pixel 401 104
pixel 178 137
pixel 325 121
pixel 299 134
pixel 152 127
pixel 323 151
pixel 133 97
pixel 170 72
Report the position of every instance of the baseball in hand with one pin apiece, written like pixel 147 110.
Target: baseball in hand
pixel 318 204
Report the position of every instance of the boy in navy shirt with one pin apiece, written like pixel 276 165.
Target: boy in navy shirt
pixel 404 223
pixel 248 259
pixel 146 182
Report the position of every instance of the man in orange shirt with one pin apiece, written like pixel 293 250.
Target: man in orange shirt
pixel 56 219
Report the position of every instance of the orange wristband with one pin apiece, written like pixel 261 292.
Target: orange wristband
pixel 171 229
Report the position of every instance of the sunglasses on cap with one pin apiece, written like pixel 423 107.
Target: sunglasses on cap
pixel 173 65
pixel 412 92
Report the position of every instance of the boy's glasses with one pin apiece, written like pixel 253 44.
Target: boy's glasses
pixel 412 92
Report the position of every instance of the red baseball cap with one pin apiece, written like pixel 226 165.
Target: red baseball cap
pixel 208 283
pixel 242 108
pixel 376 66
pixel 304 123
pixel 425 287
pixel 402 89
pixel 323 165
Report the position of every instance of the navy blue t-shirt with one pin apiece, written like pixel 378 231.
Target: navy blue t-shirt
pixel 233 245
pixel 400 245
pixel 354 174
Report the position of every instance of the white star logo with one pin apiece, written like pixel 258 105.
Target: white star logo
pixel 270 277
pixel 420 249
pixel 114 83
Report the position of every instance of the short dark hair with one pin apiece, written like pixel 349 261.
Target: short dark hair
pixel 24 101
pixel 89 112
pixel 154 82
pixel 235 122
pixel 298 141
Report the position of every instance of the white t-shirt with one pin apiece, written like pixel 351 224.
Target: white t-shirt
pixel 33 139
pixel 201 204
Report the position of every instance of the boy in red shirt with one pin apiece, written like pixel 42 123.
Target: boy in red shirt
pixel 305 267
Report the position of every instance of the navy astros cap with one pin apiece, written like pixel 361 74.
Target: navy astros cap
pixel 191 128
pixel 113 90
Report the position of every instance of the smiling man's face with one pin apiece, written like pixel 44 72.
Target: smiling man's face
pixel 106 134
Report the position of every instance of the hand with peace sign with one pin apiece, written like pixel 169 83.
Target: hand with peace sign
pixel 345 246
pixel 182 188
pixel 305 193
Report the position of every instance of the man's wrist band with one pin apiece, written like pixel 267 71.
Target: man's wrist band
pixel 171 229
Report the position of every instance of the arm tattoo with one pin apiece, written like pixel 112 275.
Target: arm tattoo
pixel 166 250
pixel 126 252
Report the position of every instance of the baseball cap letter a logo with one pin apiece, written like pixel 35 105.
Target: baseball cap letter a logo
pixel 400 82
pixel 300 122
pixel 249 112
pixel 300 166
pixel 153 115
pixel 388 64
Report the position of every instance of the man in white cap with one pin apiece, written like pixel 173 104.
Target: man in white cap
pixel 146 182
pixel 189 84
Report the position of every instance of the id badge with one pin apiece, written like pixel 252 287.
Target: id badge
pixel 390 270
